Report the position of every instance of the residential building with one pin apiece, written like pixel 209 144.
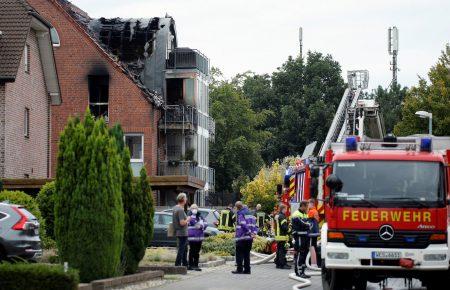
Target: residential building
pixel 29 90
pixel 92 78
pixel 181 75
pixel 132 72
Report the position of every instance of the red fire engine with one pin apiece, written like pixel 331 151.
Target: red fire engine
pixel 386 211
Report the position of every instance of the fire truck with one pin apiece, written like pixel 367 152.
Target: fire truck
pixel 384 200
pixel 386 212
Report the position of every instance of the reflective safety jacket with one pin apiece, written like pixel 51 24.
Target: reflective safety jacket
pixel 281 228
pixel 300 223
pixel 261 218
pixel 226 220
pixel 245 225
pixel 196 228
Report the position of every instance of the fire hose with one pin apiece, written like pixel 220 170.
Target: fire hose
pixel 313 271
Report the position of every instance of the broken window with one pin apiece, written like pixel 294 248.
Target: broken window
pixel 99 95
pixel 174 91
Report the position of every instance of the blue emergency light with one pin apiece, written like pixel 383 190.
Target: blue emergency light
pixel 351 144
pixel 425 144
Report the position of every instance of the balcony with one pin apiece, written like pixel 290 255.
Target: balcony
pixel 212 128
pixel 187 168
pixel 179 117
pixel 186 58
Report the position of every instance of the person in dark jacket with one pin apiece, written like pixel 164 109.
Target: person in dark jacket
pixel 261 220
pixel 196 228
pixel 246 230
pixel 281 237
pixel 300 230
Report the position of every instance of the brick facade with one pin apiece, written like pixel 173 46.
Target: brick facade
pixel 22 156
pixel 77 58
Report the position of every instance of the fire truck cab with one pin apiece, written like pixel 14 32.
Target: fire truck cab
pixel 386 212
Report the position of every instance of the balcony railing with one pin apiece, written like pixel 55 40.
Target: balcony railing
pixel 186 58
pixel 182 116
pixel 189 168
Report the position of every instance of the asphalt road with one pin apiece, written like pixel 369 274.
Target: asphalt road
pixel 262 277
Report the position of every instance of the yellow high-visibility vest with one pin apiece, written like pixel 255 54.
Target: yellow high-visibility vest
pixel 224 221
pixel 278 236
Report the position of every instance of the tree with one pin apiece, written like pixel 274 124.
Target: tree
pixel 433 97
pixel 262 189
pixel 236 150
pixel 390 101
pixel 89 218
pixel 299 100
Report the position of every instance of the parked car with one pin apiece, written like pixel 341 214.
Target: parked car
pixel 161 223
pixel 19 233
pixel 210 215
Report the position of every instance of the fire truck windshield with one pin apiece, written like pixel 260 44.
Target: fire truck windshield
pixel 376 183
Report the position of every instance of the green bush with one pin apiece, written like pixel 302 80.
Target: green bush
pixel 138 209
pixel 37 277
pixel 89 218
pixel 23 199
pixel 224 244
pixel 46 203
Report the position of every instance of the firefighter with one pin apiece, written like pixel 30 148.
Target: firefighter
pixel 313 217
pixel 261 220
pixel 300 230
pixel 226 219
pixel 281 237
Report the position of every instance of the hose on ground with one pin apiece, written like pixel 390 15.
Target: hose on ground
pixel 312 271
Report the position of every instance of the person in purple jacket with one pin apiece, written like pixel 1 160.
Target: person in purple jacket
pixel 246 230
pixel 196 227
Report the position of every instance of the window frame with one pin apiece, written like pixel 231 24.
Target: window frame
pixel 56 35
pixel 91 82
pixel 26 123
pixel 125 135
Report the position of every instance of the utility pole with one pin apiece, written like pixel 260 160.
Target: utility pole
pixel 300 38
pixel 393 50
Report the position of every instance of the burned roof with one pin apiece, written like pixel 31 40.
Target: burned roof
pixel 15 19
pixel 121 57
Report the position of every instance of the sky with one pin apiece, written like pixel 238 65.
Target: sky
pixel 259 35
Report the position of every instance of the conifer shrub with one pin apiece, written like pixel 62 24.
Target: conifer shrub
pixel 89 219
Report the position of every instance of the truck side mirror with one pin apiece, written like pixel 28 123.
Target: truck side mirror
pixel 334 183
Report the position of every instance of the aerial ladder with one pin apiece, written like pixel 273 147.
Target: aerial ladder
pixel 356 115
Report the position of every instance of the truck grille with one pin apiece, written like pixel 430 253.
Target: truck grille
pixel 401 239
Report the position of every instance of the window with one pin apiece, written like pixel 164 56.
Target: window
pixel 55 37
pixel 166 219
pixel 2 215
pixel 99 95
pixel 26 123
pixel 136 144
pixel 26 58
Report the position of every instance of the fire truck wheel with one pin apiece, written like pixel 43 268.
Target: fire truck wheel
pixel 333 279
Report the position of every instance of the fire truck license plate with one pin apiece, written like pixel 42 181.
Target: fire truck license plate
pixel 386 255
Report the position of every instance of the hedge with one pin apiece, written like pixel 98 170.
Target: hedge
pixel 37 277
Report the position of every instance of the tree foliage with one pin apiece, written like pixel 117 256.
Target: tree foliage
pixel 89 218
pixel 390 101
pixel 262 189
pixel 432 97
pixel 46 202
pixel 236 150
pixel 299 99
